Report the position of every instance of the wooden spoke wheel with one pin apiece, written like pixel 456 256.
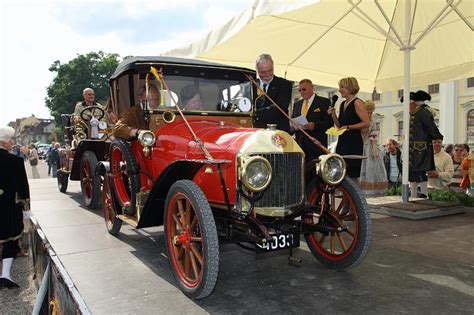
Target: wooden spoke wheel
pixel 125 179
pixel 191 239
pixel 343 207
pixel 90 182
pixel 112 222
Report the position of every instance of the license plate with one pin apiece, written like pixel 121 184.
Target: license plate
pixel 279 242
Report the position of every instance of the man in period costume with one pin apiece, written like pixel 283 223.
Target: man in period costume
pixel 14 204
pixel 423 131
pixel 314 108
pixel 278 89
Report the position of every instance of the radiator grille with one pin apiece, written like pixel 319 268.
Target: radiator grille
pixel 286 188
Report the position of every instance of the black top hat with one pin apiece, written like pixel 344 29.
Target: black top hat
pixel 418 96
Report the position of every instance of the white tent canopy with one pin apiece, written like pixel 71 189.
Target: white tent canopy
pixel 330 39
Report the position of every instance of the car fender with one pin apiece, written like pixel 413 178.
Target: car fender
pixel 152 214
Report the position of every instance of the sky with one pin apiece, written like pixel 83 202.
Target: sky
pixel 34 34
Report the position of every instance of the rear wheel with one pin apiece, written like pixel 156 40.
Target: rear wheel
pixel 90 182
pixel 344 206
pixel 191 239
pixel 63 180
pixel 125 179
pixel 112 222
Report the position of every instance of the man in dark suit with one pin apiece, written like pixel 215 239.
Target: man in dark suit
pixel 314 108
pixel 14 204
pixel 278 89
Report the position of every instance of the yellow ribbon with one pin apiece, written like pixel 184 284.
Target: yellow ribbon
pixel 157 76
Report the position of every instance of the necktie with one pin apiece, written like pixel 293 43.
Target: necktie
pixel 265 87
pixel 305 107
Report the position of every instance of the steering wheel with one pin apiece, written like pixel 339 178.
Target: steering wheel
pixel 89 112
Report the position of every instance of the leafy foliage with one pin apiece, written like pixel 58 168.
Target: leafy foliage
pixel 90 70
pixel 393 191
pixel 452 196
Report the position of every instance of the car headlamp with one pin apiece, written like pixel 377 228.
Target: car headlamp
pixel 256 173
pixel 331 168
pixel 146 138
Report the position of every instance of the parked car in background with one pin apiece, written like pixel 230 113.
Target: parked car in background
pixel 42 149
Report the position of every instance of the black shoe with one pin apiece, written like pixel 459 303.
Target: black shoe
pixel 7 283
pixel 422 196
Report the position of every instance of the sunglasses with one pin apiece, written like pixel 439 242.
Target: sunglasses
pixel 458 149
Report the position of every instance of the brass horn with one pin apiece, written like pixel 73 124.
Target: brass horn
pixel 169 116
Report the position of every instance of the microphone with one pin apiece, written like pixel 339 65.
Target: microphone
pixel 334 100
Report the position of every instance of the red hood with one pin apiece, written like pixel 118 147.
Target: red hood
pixel 223 139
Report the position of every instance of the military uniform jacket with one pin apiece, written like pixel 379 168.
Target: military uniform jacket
pixel 14 196
pixel 317 113
pixel 265 113
pixel 423 131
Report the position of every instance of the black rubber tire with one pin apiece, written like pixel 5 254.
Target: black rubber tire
pixel 63 180
pixel 112 222
pixel 90 182
pixel 206 230
pixel 132 173
pixel 360 244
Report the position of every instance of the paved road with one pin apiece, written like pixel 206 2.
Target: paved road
pixel 424 267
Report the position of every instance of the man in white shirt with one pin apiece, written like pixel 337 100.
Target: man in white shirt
pixel 441 176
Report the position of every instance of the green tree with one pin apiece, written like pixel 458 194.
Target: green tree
pixel 90 70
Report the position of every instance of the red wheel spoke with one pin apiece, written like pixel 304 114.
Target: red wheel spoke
pixel 196 239
pixel 187 263
pixel 188 214
pixel 333 203
pixel 193 264
pixel 350 232
pixel 348 217
pixel 321 240
pixel 180 254
pixel 175 218
pixel 341 240
pixel 333 244
pixel 193 224
pixel 197 253
pixel 179 202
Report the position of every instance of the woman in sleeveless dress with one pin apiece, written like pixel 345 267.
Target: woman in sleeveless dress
pixel 373 176
pixel 353 117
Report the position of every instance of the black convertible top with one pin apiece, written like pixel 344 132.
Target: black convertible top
pixel 143 63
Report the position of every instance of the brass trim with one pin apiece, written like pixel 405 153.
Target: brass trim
pixel 245 163
pixel 322 162
pixel 168 116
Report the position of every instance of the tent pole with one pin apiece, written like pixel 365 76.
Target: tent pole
pixel 406 101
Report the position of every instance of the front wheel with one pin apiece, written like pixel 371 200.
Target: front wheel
pixel 112 222
pixel 343 206
pixel 191 239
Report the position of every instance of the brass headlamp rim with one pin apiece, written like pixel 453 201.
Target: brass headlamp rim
pixel 249 161
pixel 323 159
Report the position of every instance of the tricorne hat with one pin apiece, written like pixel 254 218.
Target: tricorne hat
pixel 418 96
pixel 6 133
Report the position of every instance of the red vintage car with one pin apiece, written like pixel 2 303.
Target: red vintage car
pixel 210 178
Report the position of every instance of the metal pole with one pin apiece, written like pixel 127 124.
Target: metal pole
pixel 406 101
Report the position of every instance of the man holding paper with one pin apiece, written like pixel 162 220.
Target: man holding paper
pixel 311 114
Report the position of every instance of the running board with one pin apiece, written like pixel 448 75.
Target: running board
pixel 129 219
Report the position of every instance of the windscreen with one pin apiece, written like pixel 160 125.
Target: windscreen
pixel 201 94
